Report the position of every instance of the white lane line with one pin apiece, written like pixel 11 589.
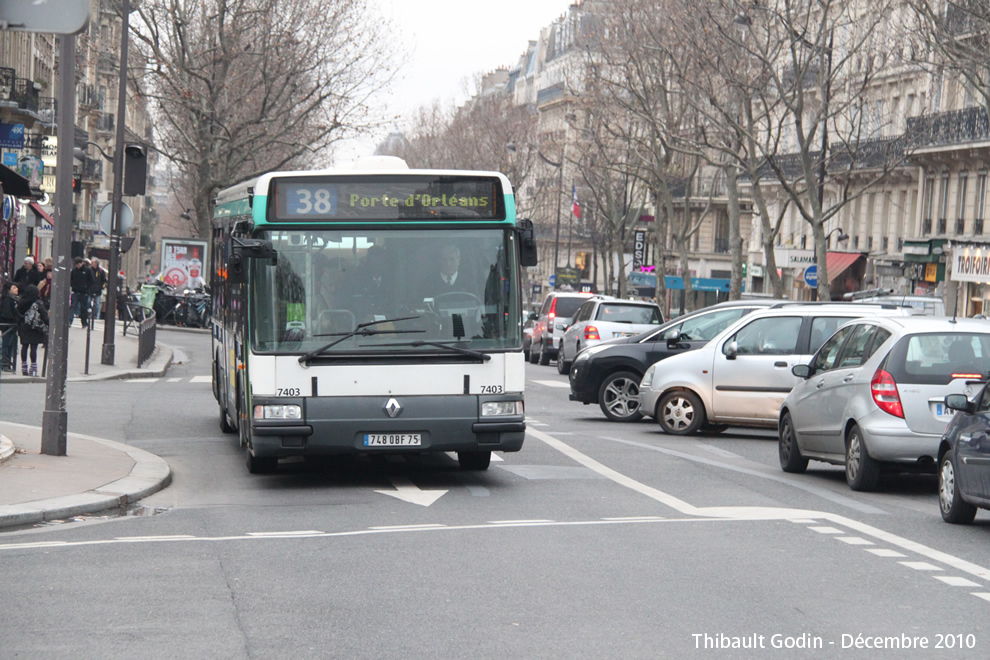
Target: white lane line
pixel 163 537
pixel 823 493
pixel 424 526
pixel 552 383
pixel 717 450
pixel 307 532
pixel 529 423
pixel 141 380
pixel 919 565
pixel 625 518
pixel 536 521
pixel 803 521
pixel 954 581
pixel 761 513
pixel 173 380
pixel 854 540
pixel 201 379
pixel 885 552
pixel 985 596
pixel 496 458
pixel 826 530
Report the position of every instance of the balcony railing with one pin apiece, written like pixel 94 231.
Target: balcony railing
pixel 107 63
pixel 47 109
pixel 25 94
pixel 953 127
pixel 92 170
pixel 721 246
pixel 548 94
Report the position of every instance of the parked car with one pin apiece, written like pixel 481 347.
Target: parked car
pixel 964 458
pixel 528 322
pixel 601 319
pixel 929 305
pixel 608 374
pixel 554 317
pixel 742 376
pixel 873 397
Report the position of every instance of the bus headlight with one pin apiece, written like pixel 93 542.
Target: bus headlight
pixel 499 408
pixel 278 412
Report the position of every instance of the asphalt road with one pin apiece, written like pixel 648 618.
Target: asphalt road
pixel 598 540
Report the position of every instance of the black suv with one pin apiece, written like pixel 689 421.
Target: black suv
pixel 608 374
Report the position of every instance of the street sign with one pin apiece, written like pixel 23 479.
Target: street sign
pixel 8 207
pixel 57 16
pixel 811 276
pixel 553 280
pixel 126 218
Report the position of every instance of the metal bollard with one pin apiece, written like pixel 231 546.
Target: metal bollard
pixel 89 327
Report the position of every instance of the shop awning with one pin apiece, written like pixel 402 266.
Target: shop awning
pixel 837 262
pixel 41 213
pixel 14 184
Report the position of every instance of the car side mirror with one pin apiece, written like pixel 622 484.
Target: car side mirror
pixel 673 338
pixel 532 316
pixel 731 350
pixel 801 370
pixel 959 402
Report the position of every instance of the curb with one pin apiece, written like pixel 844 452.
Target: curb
pixel 150 474
pixel 159 363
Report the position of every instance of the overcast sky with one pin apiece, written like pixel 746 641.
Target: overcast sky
pixel 449 41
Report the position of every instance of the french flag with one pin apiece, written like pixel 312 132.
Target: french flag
pixel 575 205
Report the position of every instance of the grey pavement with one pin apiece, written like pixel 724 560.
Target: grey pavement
pixel 97 474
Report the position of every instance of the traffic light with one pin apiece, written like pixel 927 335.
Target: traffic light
pixel 135 168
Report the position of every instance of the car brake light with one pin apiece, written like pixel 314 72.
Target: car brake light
pixel 553 310
pixel 967 376
pixel 885 395
pixel 591 332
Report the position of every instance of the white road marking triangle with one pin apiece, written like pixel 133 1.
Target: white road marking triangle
pixel 407 491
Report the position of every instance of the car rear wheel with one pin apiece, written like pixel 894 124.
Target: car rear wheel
pixel 680 412
pixel 862 472
pixel 563 366
pixel 544 355
pixel 954 509
pixel 533 355
pixel 788 452
pixel 618 397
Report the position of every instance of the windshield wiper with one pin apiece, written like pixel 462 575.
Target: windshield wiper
pixel 362 330
pixel 478 355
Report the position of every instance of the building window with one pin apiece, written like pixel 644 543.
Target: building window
pixel 961 202
pixel 943 203
pixel 869 243
pixel 804 242
pixel 900 243
pixel 886 243
pixel 929 201
pixel 981 201
pixel 855 242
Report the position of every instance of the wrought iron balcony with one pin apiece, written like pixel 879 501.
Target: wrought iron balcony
pixel 92 170
pixel 944 128
pixel 48 109
pixel 107 63
pixel 25 94
pixel 721 246
pixel 548 94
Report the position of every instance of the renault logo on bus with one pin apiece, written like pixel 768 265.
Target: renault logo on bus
pixel 392 408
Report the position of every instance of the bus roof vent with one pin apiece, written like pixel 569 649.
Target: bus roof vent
pixel 380 163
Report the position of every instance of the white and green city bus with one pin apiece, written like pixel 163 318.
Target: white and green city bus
pixel 333 332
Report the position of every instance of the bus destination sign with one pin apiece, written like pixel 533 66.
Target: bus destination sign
pixel 386 198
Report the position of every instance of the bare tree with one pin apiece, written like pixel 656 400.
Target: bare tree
pixel 241 87
pixel 957 34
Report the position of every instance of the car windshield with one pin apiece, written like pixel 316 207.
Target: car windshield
pixel 415 286
pixel 566 306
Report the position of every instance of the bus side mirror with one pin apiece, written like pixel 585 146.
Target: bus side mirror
pixel 243 249
pixel 527 243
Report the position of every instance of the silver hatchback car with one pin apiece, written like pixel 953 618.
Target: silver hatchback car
pixel 873 397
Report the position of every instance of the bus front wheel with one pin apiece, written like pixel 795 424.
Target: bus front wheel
pixel 474 460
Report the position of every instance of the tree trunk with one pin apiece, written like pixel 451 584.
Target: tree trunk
pixel 735 237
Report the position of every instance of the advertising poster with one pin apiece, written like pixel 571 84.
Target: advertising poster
pixel 183 263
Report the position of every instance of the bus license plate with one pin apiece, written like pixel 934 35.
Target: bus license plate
pixel 392 439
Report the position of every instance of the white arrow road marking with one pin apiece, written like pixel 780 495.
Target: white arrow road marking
pixel 552 383
pixel 407 491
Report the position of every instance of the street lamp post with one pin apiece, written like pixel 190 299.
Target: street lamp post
pixel 109 319
pixel 843 236
pixel 511 148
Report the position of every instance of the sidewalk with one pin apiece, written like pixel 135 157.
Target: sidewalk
pixel 97 474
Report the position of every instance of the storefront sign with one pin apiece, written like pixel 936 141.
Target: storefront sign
pixel 931 272
pixel 639 249
pixel 12 136
pixel 970 263
pixel 791 258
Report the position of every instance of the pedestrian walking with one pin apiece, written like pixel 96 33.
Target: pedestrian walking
pixel 8 326
pixel 80 282
pixel 45 289
pixel 27 274
pixel 99 286
pixel 32 328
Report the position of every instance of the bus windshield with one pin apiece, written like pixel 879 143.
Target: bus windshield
pixel 385 291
